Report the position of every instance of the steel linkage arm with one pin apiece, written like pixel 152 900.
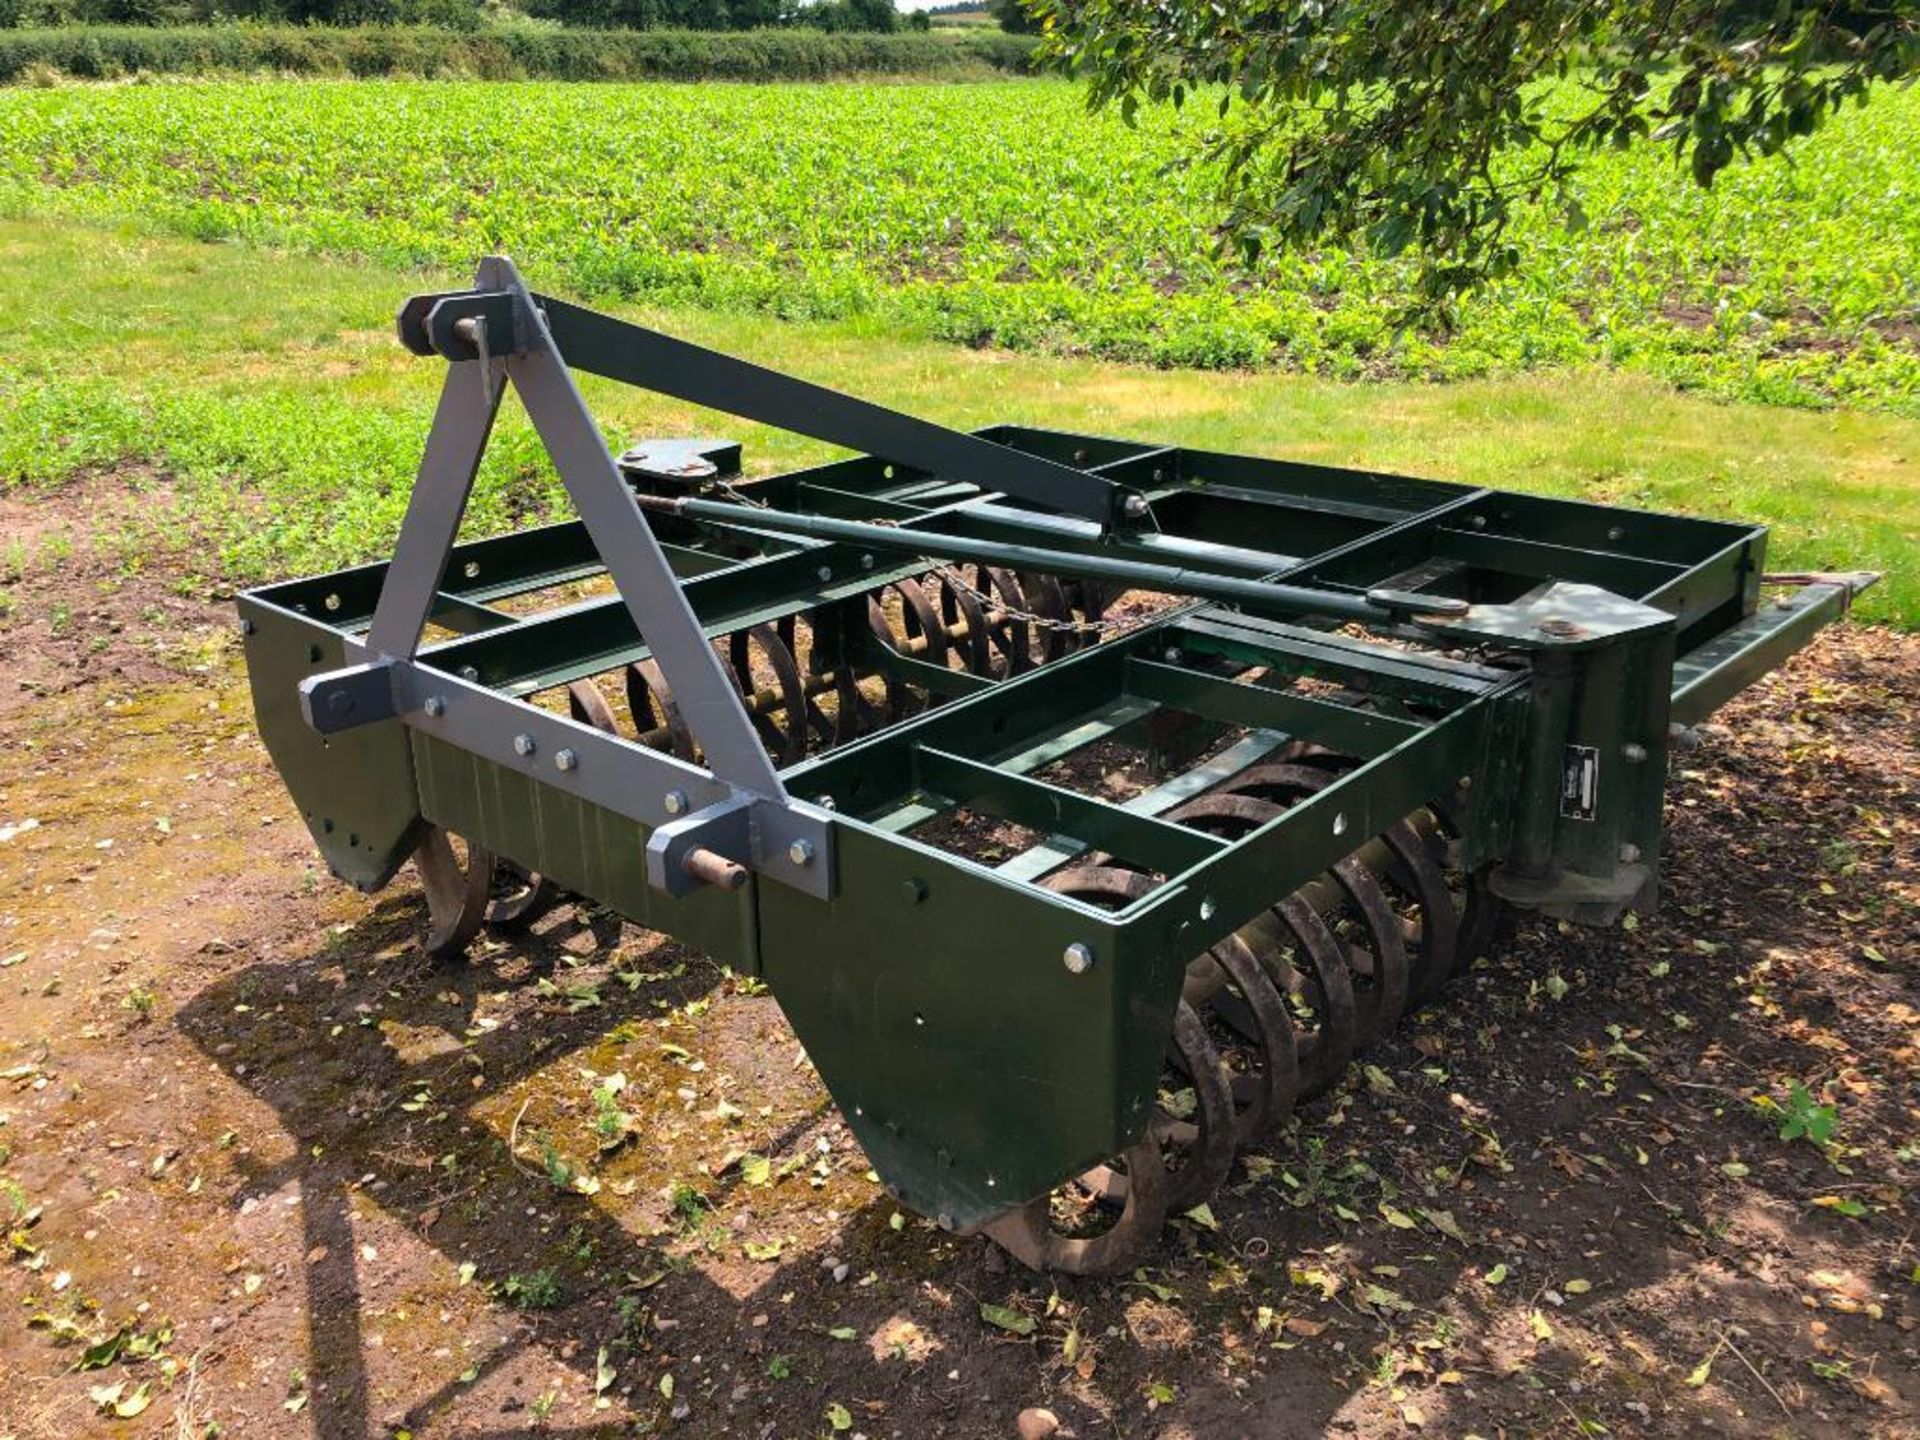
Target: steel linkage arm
pixel 621 350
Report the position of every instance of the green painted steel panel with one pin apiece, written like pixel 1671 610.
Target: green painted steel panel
pixel 975 1069
pixel 355 790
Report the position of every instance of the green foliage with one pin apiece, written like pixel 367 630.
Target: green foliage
pixel 449 14
pixel 1801 1118
pixel 915 208
pixel 559 1172
pixel 689 1206
pixel 522 52
pixel 539 1290
pixel 1013 17
pixel 1401 123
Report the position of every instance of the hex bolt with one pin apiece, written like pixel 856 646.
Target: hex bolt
pixel 1135 506
pixel 247 627
pixel 675 801
pixel 523 745
pixel 565 760
pixel 1175 655
pixel 436 706
pixel 1078 958
pixel 1478 522
pixel 1617 533
pixel 866 562
pixel 1559 629
pixel 800 852
pixel 1633 752
pixel 1629 853
pixel 825 573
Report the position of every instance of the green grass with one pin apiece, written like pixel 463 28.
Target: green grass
pixel 1002 214
pixel 270 389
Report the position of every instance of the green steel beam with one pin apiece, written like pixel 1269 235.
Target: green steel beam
pixel 1708 676
pixel 1145 841
pixel 1340 727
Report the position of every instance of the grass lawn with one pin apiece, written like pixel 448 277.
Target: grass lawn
pixel 264 398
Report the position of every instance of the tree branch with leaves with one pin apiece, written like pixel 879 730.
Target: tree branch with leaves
pixel 1422 127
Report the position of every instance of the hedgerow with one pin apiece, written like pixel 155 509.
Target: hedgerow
pixel 516 53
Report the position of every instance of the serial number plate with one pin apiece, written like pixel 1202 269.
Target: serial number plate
pixel 1580 782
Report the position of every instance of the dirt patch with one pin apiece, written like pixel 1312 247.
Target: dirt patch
pixel 1899 329
pixel 88 593
pixel 269 1168
pixel 1689 314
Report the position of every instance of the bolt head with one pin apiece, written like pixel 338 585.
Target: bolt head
pixel 866 562
pixel 824 574
pixel 435 707
pixel 1175 655
pixel 1629 854
pixel 1633 752
pixel 523 744
pixel 1078 958
pixel 800 852
pixel 565 760
pixel 1135 506
pixel 675 801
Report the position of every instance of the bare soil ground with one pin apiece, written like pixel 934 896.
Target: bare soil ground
pixel 268 1170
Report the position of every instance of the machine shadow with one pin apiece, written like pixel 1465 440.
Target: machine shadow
pixel 345 1107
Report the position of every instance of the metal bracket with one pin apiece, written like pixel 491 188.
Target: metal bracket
pixel 344 699
pixel 436 324
pixel 709 847
pixel 1559 616
pixel 791 843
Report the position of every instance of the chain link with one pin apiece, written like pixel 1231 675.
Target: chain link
pixel 993 603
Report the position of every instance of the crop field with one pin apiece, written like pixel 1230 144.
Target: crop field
pixel 1001 214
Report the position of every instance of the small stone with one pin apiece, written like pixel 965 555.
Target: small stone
pixel 840 1273
pixel 1037 1424
pixel 217 1324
